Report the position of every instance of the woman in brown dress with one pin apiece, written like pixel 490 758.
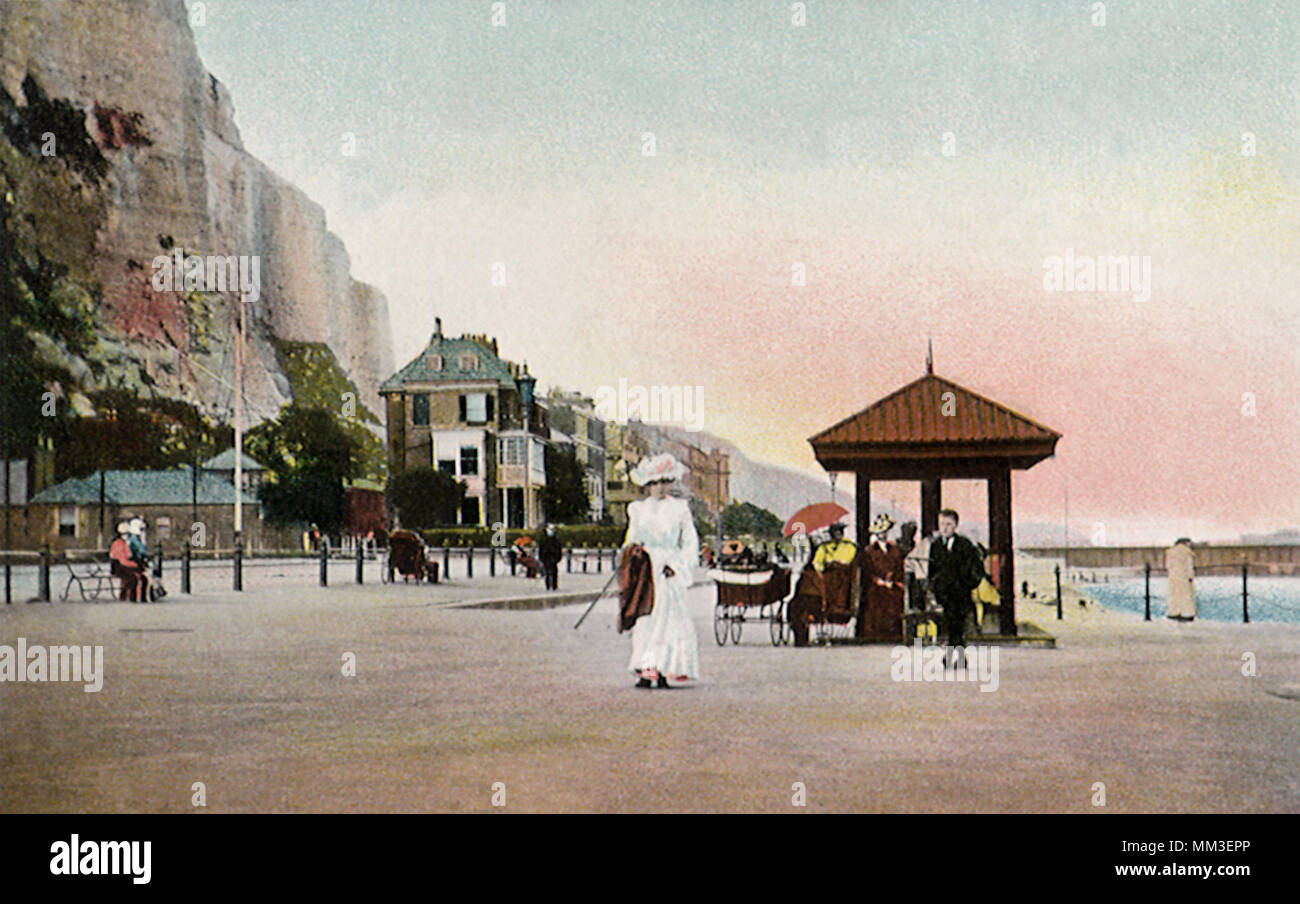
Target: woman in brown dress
pixel 882 582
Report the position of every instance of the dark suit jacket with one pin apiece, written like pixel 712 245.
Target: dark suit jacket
pixel 953 575
pixel 550 550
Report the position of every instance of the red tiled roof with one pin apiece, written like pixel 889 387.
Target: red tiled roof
pixel 915 414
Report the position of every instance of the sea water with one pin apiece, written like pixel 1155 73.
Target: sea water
pixel 1218 597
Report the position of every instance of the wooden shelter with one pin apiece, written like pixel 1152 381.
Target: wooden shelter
pixel 930 430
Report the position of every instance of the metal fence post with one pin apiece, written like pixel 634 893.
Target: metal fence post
pixel 1245 608
pixel 44 587
pixel 239 562
pixel 469 562
pixel 569 562
pixel 492 561
pixel 158 561
pixel 1147 569
pixel 324 562
pixel 1059 614
pixel 185 567
pixel 584 560
pixel 446 563
pixel 361 561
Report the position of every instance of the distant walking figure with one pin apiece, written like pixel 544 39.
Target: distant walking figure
pixel 550 551
pixel 1180 562
pixel 664 644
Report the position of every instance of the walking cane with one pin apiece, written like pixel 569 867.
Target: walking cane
pixel 596 600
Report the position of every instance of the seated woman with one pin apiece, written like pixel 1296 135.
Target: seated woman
pixel 825 590
pixel 123 566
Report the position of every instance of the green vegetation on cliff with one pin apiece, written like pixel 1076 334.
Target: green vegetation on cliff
pixel 317 381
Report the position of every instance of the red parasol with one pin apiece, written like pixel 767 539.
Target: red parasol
pixel 813 517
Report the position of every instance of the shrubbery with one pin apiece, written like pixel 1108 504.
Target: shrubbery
pixel 591 536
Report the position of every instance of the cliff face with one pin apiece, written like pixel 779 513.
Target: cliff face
pixel 162 167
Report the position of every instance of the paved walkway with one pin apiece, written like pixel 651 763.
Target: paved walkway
pixel 245 693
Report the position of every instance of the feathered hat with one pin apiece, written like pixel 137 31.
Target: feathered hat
pixel 882 524
pixel 656 468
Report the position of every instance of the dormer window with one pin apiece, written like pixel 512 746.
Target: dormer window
pixel 432 361
pixel 469 361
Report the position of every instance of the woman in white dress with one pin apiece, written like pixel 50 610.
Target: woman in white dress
pixel 664 644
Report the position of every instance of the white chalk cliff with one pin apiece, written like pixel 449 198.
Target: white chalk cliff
pixel 177 174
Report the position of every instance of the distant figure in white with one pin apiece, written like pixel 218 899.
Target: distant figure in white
pixel 1180 562
pixel 664 645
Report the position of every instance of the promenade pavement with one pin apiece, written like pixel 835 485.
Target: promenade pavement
pixel 247 694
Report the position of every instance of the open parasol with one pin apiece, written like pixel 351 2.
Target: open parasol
pixel 813 517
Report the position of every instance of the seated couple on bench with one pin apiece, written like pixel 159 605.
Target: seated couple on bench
pixel 129 560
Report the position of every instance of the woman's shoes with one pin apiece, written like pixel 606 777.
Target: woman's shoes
pixel 644 682
pixel 663 682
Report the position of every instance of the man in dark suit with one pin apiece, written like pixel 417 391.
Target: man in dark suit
pixel 955 570
pixel 550 551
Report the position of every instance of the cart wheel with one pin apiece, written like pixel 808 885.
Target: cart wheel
pixel 720 624
pixel 777 625
pixel 737 622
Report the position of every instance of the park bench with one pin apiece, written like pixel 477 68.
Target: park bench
pixel 92 577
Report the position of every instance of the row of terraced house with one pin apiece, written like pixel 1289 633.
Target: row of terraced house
pixel 462 408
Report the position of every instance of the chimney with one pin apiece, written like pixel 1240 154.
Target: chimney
pixel 437 330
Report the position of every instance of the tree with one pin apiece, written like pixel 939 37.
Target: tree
pixel 306 440
pixel 134 433
pixel 706 524
pixel 565 496
pixel 747 518
pixel 305 497
pixel 309 454
pixel 425 497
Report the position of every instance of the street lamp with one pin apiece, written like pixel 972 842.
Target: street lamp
pixel 526 384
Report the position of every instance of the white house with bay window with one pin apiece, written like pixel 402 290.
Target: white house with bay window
pixel 457 407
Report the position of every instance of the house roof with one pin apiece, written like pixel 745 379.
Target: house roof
pixel 226 462
pixel 487 365
pixel 143 488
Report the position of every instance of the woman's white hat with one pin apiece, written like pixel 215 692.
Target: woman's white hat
pixel 657 467
pixel 137 525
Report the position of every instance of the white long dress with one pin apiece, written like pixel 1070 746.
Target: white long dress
pixel 665 639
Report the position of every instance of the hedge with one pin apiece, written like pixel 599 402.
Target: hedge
pixel 605 536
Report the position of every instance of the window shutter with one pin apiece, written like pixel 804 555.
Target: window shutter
pixel 489 406
pixel 463 414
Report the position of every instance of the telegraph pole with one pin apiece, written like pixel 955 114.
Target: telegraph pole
pixel 240 338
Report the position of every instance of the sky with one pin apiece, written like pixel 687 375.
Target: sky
pixel 824 197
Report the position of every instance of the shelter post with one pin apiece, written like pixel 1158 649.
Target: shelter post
pixel 931 502
pixel 862 522
pixel 1000 545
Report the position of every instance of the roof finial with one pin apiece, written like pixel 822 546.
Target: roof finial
pixel 929 355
